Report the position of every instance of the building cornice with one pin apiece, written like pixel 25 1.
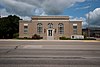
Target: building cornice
pixel 50 20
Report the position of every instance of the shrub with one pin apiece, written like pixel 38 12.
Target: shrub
pixel 62 38
pixel 15 35
pixel 35 36
pixel 90 38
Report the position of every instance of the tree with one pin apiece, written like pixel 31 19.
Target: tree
pixel 9 26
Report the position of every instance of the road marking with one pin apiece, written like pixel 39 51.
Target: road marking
pixel 32 46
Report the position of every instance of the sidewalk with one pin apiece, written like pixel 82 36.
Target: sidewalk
pixel 52 40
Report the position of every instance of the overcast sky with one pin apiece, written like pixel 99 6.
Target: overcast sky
pixel 76 9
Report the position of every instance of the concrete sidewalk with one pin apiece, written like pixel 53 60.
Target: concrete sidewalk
pixel 52 40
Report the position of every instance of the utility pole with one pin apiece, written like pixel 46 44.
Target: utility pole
pixel 88 26
pixel 88 21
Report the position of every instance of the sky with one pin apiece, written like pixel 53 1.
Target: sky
pixel 75 9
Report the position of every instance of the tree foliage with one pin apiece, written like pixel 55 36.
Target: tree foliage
pixel 9 26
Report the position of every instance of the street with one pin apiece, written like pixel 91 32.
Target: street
pixel 29 53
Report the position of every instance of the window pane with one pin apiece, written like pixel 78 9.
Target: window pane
pixel 50 25
pixel 74 29
pixel 39 28
pixel 25 29
pixel 60 28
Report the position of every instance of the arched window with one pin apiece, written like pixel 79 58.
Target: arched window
pixel 39 28
pixel 50 25
pixel 61 28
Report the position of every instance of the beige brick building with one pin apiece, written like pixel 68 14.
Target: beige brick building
pixel 50 27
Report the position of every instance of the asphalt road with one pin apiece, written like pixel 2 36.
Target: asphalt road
pixel 49 53
pixel 44 42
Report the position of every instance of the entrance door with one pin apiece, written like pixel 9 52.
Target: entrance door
pixel 50 34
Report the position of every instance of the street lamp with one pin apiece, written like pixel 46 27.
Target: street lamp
pixel 88 21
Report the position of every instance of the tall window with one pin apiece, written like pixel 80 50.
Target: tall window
pixel 61 28
pixel 50 25
pixel 74 29
pixel 39 28
pixel 25 28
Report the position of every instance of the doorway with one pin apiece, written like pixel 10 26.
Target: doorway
pixel 50 34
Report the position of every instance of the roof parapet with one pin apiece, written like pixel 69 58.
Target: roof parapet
pixel 50 18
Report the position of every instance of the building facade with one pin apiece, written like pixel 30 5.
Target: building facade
pixel 93 32
pixel 50 27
